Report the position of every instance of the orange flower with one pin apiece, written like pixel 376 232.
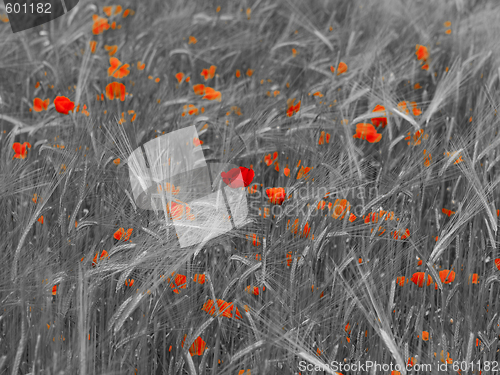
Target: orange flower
pixel 396 234
pixel 63 104
pixel 451 154
pixel 425 335
pixel 121 235
pixel 238 73
pixel 421 52
pixel 294 227
pixel 209 73
pixel 111 49
pixel 322 138
pixel 252 290
pixel 252 189
pixel 225 308
pixel 400 280
pixel 475 278
pixel 20 151
pixel 179 76
pixel 104 255
pixel 115 90
pixel 427 159
pixel 367 132
pixel 403 107
pixel 129 282
pixel 199 278
pixel 303 172
pixel 198 346
pixel 497 263
pixel 107 10
pixel 340 208
pixel 306 231
pixel 180 282
pixel 116 69
pixel 140 65
pixel 40 219
pixel 418 278
pixel 192 40
pixel 100 24
pixel 447 212
pixel 342 68
pixel 255 240
pixel 54 290
pixel 447 276
pixel 249 72
pixel 199 89
pixel 268 159
pixel 379 120
pixel 211 94
pixel 291 108
pixel 40 105
pixel 276 195
pixel 417 138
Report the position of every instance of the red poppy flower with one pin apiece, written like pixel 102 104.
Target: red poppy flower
pixel 120 234
pixel 180 281
pixel 211 94
pixel 199 278
pixel 400 280
pixel 198 346
pixel 421 52
pixel 367 132
pixel 497 263
pixel 179 76
pixel 238 177
pixel 100 24
pixel 115 90
pixel 209 73
pixel 276 195
pixel 199 89
pixel 379 120
pixel 291 108
pixel 447 212
pixel 20 151
pixel 418 278
pixel 225 308
pixel 342 68
pixel 447 276
pixel 40 105
pixel 116 68
pixel 63 104
pixel 104 255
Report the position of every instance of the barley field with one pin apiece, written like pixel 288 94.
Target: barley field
pixel 359 146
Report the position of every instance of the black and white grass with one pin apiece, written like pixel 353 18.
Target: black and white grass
pixel 302 282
